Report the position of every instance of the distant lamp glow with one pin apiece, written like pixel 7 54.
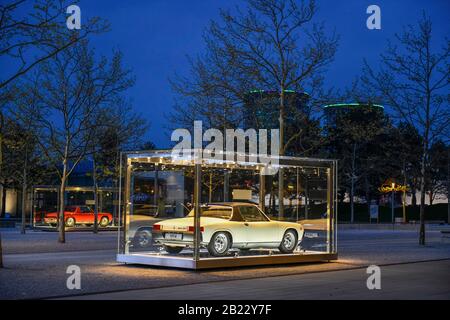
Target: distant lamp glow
pixel 393 187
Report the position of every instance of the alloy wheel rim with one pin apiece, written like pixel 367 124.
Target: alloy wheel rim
pixel 143 239
pixel 289 240
pixel 220 243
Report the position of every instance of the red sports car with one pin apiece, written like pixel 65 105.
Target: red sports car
pixel 79 215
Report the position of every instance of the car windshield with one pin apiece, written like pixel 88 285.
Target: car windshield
pixel 71 209
pixel 220 212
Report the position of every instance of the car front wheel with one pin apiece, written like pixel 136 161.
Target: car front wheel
pixel 104 221
pixel 70 222
pixel 220 244
pixel 289 242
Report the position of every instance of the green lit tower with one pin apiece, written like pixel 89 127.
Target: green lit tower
pixel 356 111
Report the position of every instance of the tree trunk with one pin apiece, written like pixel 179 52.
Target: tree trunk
pixel 210 188
pixel 3 203
pixel 368 198
pixel 404 193
pixel 24 193
pixel 94 178
pixel 62 196
pixel 422 200
pixel 281 153
pixel 352 209
pixel 24 201
pixel 352 185
pixel 306 199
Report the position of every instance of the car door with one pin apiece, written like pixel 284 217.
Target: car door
pixel 239 232
pixel 86 215
pixel 259 228
pixel 71 212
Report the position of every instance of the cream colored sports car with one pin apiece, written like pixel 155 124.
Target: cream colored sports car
pixel 228 225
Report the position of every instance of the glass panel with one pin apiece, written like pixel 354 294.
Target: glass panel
pixel 313 202
pixel 160 198
pixel 250 231
pixel 44 201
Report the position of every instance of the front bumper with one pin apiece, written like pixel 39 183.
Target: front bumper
pixel 50 220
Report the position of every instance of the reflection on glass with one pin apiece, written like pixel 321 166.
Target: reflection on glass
pixel 157 193
pixel 79 209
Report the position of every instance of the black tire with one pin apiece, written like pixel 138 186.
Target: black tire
pixel 289 241
pixel 173 250
pixel 104 222
pixel 143 238
pixel 219 244
pixel 70 222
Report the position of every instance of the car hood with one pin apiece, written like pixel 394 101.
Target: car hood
pixel 50 215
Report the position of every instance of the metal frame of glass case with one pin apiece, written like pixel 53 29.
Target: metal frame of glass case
pixel 132 162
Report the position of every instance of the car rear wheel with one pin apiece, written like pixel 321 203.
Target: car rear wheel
pixel 143 238
pixel 70 222
pixel 289 241
pixel 220 244
pixel 173 250
pixel 104 221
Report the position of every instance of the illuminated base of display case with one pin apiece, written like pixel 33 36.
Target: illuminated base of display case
pixel 227 262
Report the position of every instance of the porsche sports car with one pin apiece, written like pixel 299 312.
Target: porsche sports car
pixel 228 225
pixel 79 215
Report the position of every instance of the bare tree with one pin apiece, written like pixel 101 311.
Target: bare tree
pixel 272 44
pixel 74 88
pixel 118 129
pixel 436 183
pixel 28 39
pixel 24 165
pixel 414 80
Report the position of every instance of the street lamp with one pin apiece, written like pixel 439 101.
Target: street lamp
pixel 386 188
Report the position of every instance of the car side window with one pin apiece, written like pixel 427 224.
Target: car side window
pixel 85 210
pixel 251 214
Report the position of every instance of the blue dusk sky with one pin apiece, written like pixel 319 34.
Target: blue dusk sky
pixel 155 37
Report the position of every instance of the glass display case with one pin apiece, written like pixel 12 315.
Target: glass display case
pixel 182 211
pixel 79 211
